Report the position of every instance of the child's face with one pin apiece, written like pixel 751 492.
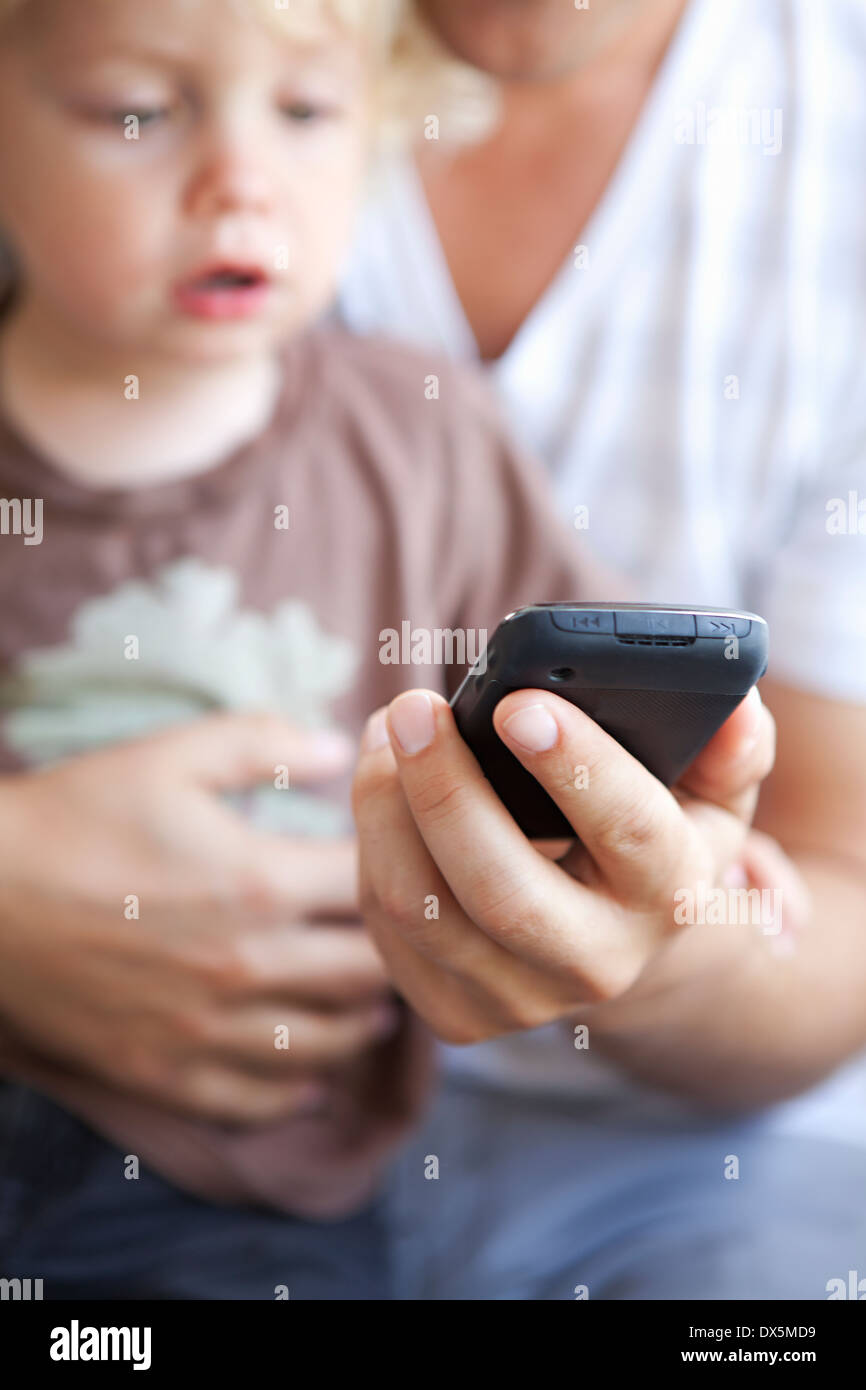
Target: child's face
pixel 250 153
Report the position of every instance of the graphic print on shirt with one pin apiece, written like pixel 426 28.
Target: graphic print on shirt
pixel 160 652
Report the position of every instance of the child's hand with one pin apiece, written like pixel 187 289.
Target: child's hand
pixel 150 936
pixel 481 931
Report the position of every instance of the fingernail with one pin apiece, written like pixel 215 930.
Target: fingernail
pixel 332 744
pixel 533 728
pixel 411 720
pixel 375 733
pixel 735 877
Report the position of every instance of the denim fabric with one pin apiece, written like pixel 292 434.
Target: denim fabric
pixel 68 1216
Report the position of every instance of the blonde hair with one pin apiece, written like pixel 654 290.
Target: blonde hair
pixel 419 80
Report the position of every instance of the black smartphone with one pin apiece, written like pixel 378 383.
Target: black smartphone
pixel 660 680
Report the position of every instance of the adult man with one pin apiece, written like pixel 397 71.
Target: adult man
pixel 661 263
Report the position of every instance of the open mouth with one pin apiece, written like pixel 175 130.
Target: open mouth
pixel 224 291
pixel 228 278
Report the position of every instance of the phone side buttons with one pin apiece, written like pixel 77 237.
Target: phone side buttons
pixel 643 624
pixel 723 627
pixel 575 620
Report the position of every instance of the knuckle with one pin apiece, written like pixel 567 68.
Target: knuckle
pixel 561 785
pixel 231 965
pixel 263 726
pixel 257 890
pixel 526 1015
pixel 629 830
pixel 461 1032
pixel 510 901
pixel 439 796
pixel 211 1095
pixel 202 1093
pixel 606 987
pixel 196 1028
pixel 270 1107
pixel 613 972
pixel 396 904
pixel 610 979
pixel 376 776
pixel 256 1107
pixel 137 1064
pixel 371 782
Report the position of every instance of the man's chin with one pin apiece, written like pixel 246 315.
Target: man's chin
pixel 531 42
pixel 513 63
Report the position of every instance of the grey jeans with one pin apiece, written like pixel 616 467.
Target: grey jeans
pixel 70 1218
pixel 535 1199
pixel 541 1198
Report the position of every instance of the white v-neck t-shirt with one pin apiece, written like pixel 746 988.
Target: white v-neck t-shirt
pixel 695 375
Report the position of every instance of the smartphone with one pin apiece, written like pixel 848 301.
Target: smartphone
pixel 660 680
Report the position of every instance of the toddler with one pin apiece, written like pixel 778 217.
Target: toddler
pixel 237 502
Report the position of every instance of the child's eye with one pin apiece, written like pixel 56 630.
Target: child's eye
pixel 120 116
pixel 305 112
pixel 146 116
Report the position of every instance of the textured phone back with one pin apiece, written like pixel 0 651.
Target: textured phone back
pixel 663 729
pixel 662 700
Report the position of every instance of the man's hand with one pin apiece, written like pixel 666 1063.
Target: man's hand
pixel 237 931
pixel 482 932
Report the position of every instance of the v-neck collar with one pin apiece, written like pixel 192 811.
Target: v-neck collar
pixel 609 229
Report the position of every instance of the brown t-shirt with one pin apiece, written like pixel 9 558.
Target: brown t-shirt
pixel 382 502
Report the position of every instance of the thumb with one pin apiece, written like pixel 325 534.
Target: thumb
pixel 226 751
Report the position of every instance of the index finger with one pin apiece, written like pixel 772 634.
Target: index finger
pixel 227 751
pixel 330 965
pixel 631 825
pixel 306 876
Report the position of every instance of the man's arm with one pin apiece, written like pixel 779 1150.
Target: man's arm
pixel 729 1015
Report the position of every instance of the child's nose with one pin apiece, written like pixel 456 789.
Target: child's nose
pixel 230 179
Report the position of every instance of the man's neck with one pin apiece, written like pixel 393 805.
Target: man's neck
pixel 508 209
